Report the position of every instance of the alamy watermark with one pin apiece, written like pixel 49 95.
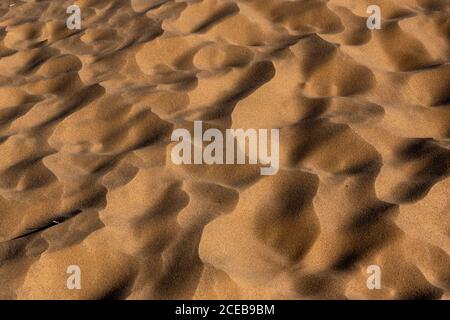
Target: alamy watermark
pixel 73 22
pixel 74 280
pixel 374 280
pixel 189 150
pixel 231 146
pixel 374 20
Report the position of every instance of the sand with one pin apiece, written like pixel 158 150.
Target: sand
pixel 86 177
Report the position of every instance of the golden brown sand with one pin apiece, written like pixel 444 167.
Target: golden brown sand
pixel 86 177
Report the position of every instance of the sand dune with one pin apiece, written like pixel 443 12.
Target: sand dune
pixel 86 176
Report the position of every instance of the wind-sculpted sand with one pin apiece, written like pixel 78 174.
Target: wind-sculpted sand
pixel 86 176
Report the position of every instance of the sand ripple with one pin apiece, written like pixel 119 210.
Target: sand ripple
pixel 85 171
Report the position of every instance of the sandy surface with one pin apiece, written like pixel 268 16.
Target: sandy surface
pixel 86 177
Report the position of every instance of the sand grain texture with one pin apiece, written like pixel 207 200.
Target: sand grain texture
pixel 85 171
